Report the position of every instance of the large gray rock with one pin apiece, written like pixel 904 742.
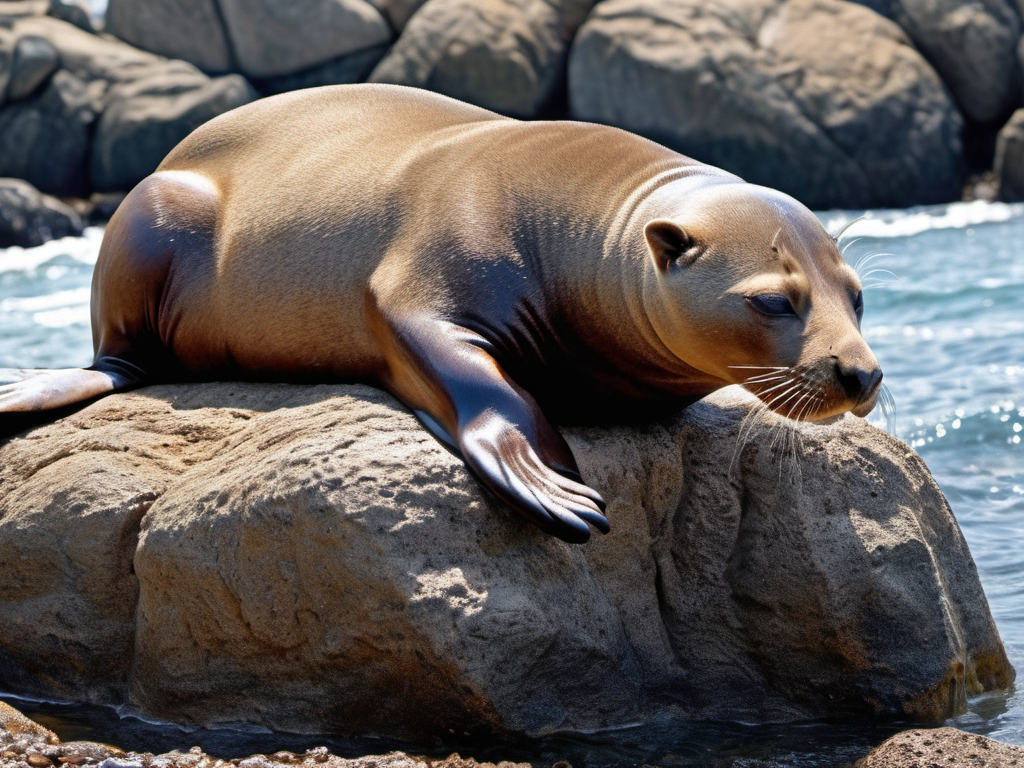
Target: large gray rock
pixel 971 44
pixel 191 30
pixel 272 38
pixel 308 557
pixel 505 55
pixel 1009 161
pixel 28 217
pixel 823 99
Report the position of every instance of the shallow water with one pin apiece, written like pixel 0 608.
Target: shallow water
pixel 946 320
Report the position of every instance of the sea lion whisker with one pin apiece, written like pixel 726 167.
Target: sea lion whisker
pixel 842 231
pixel 867 258
pixel 745 432
pixel 766 378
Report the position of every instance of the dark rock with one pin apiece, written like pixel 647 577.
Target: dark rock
pixel 7 43
pixel 35 59
pixel 972 45
pixel 352 68
pixel 73 12
pixel 505 55
pixel 145 118
pixel 272 38
pixel 28 217
pixel 192 30
pixel 1009 163
pixel 822 99
pixel 942 747
pixel 45 139
pixel 294 555
pixel 142 104
pixel 398 12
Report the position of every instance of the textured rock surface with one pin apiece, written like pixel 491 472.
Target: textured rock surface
pixel 971 44
pixel 28 217
pixel 34 60
pixel 942 747
pixel 145 118
pixel 108 115
pixel 1009 163
pixel 825 100
pixel 272 38
pixel 179 29
pixel 505 55
pixel 293 556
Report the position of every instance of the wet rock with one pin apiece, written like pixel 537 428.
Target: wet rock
pixel 33 62
pixel 941 747
pixel 73 12
pixel 505 55
pixel 822 99
pixel 972 45
pixel 191 30
pixel 29 218
pixel 1009 162
pixel 292 556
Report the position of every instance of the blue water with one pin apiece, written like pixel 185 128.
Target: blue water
pixel 945 316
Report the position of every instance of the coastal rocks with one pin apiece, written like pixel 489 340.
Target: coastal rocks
pixel 258 38
pixel 505 55
pixel 88 113
pixel 296 556
pixel 972 45
pixel 822 99
pixel 28 217
pixel 942 747
pixel 1009 162
pixel 178 29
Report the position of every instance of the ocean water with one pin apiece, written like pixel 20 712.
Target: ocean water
pixel 944 294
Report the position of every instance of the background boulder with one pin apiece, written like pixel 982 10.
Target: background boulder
pixel 89 113
pixel 1009 162
pixel 823 99
pixel 972 45
pixel 28 217
pixel 505 55
pixel 292 556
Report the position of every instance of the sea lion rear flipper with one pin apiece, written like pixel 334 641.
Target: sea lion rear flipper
pixel 449 373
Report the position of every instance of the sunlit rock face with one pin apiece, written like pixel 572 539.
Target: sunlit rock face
pixel 309 558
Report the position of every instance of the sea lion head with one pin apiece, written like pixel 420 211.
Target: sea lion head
pixel 748 287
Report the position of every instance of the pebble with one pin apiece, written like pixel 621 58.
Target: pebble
pixel 38 761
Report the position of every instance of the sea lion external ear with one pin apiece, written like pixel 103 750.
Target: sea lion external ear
pixel 667 241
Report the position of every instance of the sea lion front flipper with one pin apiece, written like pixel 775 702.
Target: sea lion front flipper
pixel 448 373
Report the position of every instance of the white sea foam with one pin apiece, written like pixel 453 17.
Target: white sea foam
pixel 83 249
pixel 913 221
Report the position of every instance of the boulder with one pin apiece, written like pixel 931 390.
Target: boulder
pixel 191 30
pixel 505 55
pixel 7 43
pixel 109 114
pixel 1009 162
pixel 351 68
pixel 73 12
pixel 28 217
pixel 272 38
pixel 823 99
pixel 45 139
pixel 34 60
pixel 145 118
pixel 398 12
pixel 308 558
pixel 934 747
pixel 972 45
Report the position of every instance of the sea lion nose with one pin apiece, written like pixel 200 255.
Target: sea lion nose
pixel 859 383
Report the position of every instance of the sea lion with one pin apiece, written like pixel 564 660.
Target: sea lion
pixel 477 267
